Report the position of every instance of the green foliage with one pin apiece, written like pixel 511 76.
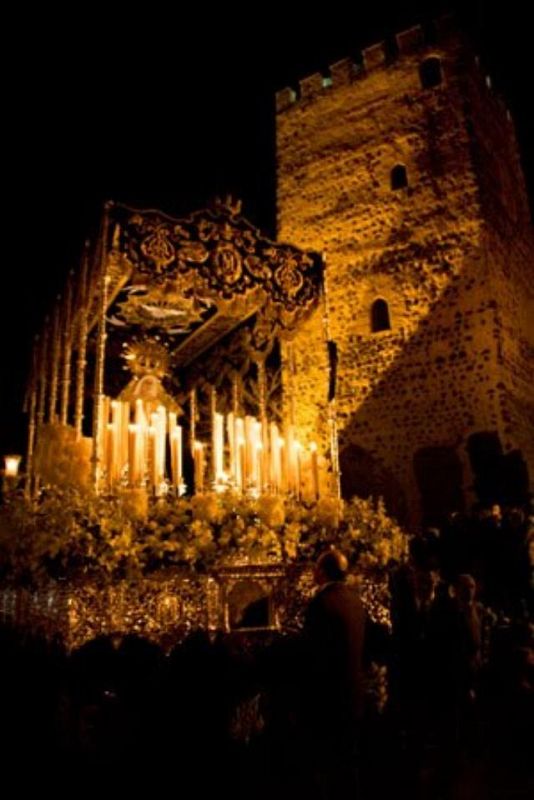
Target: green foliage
pixel 68 534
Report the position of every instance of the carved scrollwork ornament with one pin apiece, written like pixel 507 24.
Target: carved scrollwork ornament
pixel 158 248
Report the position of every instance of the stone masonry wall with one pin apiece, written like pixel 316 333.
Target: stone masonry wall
pixel 454 361
pixel 508 254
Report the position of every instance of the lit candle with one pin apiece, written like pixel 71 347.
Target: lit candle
pixel 290 461
pixel 230 432
pixel 176 456
pixel 258 460
pixel 240 454
pixel 193 415
pixel 314 470
pixel 116 419
pixel 274 457
pixel 242 460
pixel 109 447
pixel 296 449
pixel 218 444
pixel 171 422
pixel 282 457
pixel 152 469
pixel 250 451
pixel 259 466
pixel 161 430
pixel 125 422
pixel 141 448
pixel 133 454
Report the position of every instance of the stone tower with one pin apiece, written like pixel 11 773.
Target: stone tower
pixel 404 171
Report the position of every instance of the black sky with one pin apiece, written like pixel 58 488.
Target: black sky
pixel 166 108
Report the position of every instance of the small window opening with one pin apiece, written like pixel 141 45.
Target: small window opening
pixel 399 177
pixel 430 72
pixel 380 316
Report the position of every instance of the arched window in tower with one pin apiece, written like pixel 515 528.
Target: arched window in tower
pixel 399 177
pixel 430 72
pixel 380 320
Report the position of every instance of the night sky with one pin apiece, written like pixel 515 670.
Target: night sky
pixel 167 109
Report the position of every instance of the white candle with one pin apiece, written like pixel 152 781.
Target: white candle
pixel 258 456
pixel 161 433
pixel 198 454
pixel 230 432
pixel 176 456
pixel 125 422
pixel 250 451
pixel 116 439
pixel 240 454
pixel 290 460
pixel 274 457
pixel 152 466
pixel 142 439
pixel 296 449
pixel 259 466
pixel 103 432
pixel 218 442
pixel 133 454
pixel 110 438
pixel 282 458
pixel 171 422
pixel 242 460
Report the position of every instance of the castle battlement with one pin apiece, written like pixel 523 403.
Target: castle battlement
pixel 417 39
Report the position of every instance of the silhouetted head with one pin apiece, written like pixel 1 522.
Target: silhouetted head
pixel 426 581
pixel 331 566
pixel 465 588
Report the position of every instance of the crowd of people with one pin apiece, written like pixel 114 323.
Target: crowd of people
pixel 462 670
pixel 265 714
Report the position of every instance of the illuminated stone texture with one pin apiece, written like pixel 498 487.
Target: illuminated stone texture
pixel 451 254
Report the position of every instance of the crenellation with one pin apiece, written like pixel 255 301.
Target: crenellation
pixel 285 98
pixel 343 72
pixel 414 42
pixel 375 56
pixel 410 40
pixel 311 86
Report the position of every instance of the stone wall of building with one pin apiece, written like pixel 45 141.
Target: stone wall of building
pixel 508 253
pixel 452 262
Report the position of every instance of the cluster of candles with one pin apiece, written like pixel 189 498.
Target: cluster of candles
pixel 244 453
pixel 138 447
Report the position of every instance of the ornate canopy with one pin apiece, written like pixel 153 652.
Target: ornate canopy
pixel 195 279
pixel 194 310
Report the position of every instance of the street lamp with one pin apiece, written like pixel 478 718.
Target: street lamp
pixel 11 466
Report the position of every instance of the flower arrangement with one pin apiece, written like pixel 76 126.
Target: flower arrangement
pixel 69 534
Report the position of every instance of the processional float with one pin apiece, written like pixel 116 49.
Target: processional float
pixel 167 364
